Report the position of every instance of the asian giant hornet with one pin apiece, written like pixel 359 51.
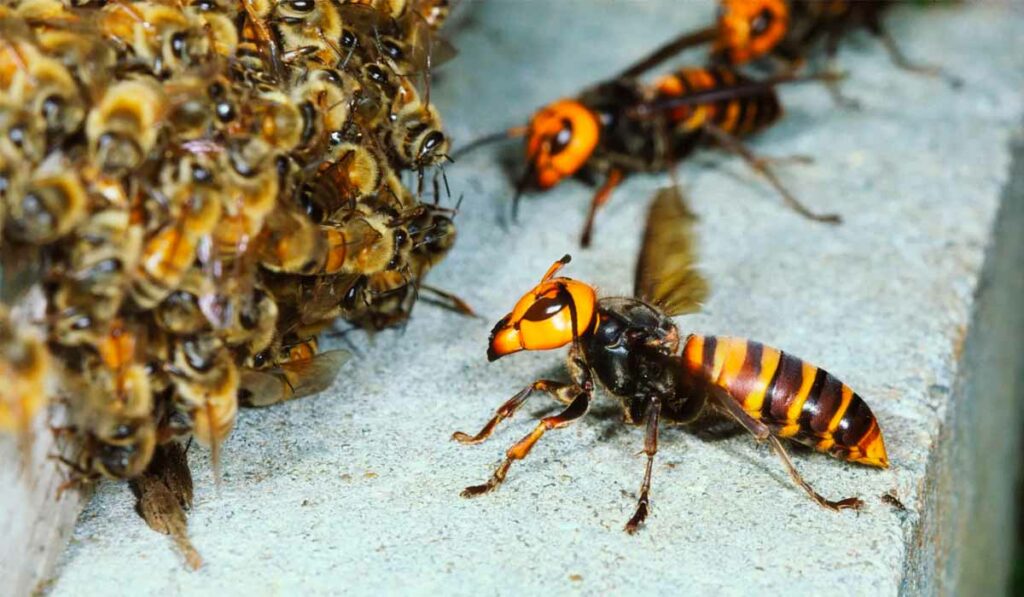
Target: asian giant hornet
pixel 781 34
pixel 631 347
pixel 620 126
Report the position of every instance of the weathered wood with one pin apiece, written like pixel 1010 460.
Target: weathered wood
pixel 35 524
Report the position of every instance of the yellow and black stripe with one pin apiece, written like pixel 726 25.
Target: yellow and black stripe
pixel 796 399
pixel 739 116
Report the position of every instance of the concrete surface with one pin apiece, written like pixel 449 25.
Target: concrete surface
pixel 356 490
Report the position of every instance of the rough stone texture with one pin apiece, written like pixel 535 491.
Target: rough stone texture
pixel 357 489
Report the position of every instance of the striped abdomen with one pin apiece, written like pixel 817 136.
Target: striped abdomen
pixel 796 399
pixel 739 116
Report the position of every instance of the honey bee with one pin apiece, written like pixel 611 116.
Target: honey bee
pixel 354 174
pixel 308 28
pixel 160 38
pixel 88 287
pixel 180 312
pixel 112 407
pixel 42 87
pixel 26 369
pixel 123 126
pixel 415 133
pixel 53 201
pixel 167 253
pixel 633 348
pixel 324 97
pixel 206 380
pixel 295 369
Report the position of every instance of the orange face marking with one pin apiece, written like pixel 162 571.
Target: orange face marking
pixel 562 136
pixel 749 29
pixel 543 317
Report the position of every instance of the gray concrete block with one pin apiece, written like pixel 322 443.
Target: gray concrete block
pixel 356 490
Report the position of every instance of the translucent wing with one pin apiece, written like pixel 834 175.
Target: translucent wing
pixel 666 273
pixel 291 380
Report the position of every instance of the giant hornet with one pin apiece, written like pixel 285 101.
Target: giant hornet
pixel 620 126
pixel 782 33
pixel 631 347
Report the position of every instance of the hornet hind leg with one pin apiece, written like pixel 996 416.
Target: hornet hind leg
pixel 762 433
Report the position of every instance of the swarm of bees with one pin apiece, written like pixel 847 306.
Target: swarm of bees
pixel 197 189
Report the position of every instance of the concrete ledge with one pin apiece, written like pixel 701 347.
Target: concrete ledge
pixel 357 490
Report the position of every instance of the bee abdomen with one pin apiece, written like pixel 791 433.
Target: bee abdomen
pixel 796 399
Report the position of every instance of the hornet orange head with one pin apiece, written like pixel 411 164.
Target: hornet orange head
pixel 560 139
pixel 553 314
pixel 749 29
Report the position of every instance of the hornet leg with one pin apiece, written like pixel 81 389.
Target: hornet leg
pixel 563 392
pixel 736 146
pixel 761 432
pixel 572 413
pixel 650 448
pixel 601 197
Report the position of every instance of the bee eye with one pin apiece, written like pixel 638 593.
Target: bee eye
pixel 261 359
pixel 122 432
pixel 761 22
pixel 376 74
pixel 348 39
pixel 225 111
pixel 335 138
pixel 544 308
pixel 432 141
pixel 52 107
pixel 302 5
pixel 392 50
pixel 17 135
pixel 196 357
pixel 201 175
pixel 178 45
pixel 562 139
pixel 216 90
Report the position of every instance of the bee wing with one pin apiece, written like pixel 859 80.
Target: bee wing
pixel 291 380
pixel 311 376
pixel 262 388
pixel 666 272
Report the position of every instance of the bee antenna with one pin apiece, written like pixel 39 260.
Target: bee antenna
pixel 444 177
pixel 511 133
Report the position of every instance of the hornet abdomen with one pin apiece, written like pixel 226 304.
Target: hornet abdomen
pixel 797 400
pixel 740 116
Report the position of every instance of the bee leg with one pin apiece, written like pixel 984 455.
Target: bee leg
pixel 450 301
pixel 900 59
pixel 650 448
pixel 510 407
pixel 572 413
pixel 601 197
pixel 761 432
pixel 736 146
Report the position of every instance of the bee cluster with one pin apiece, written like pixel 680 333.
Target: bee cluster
pixel 198 188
